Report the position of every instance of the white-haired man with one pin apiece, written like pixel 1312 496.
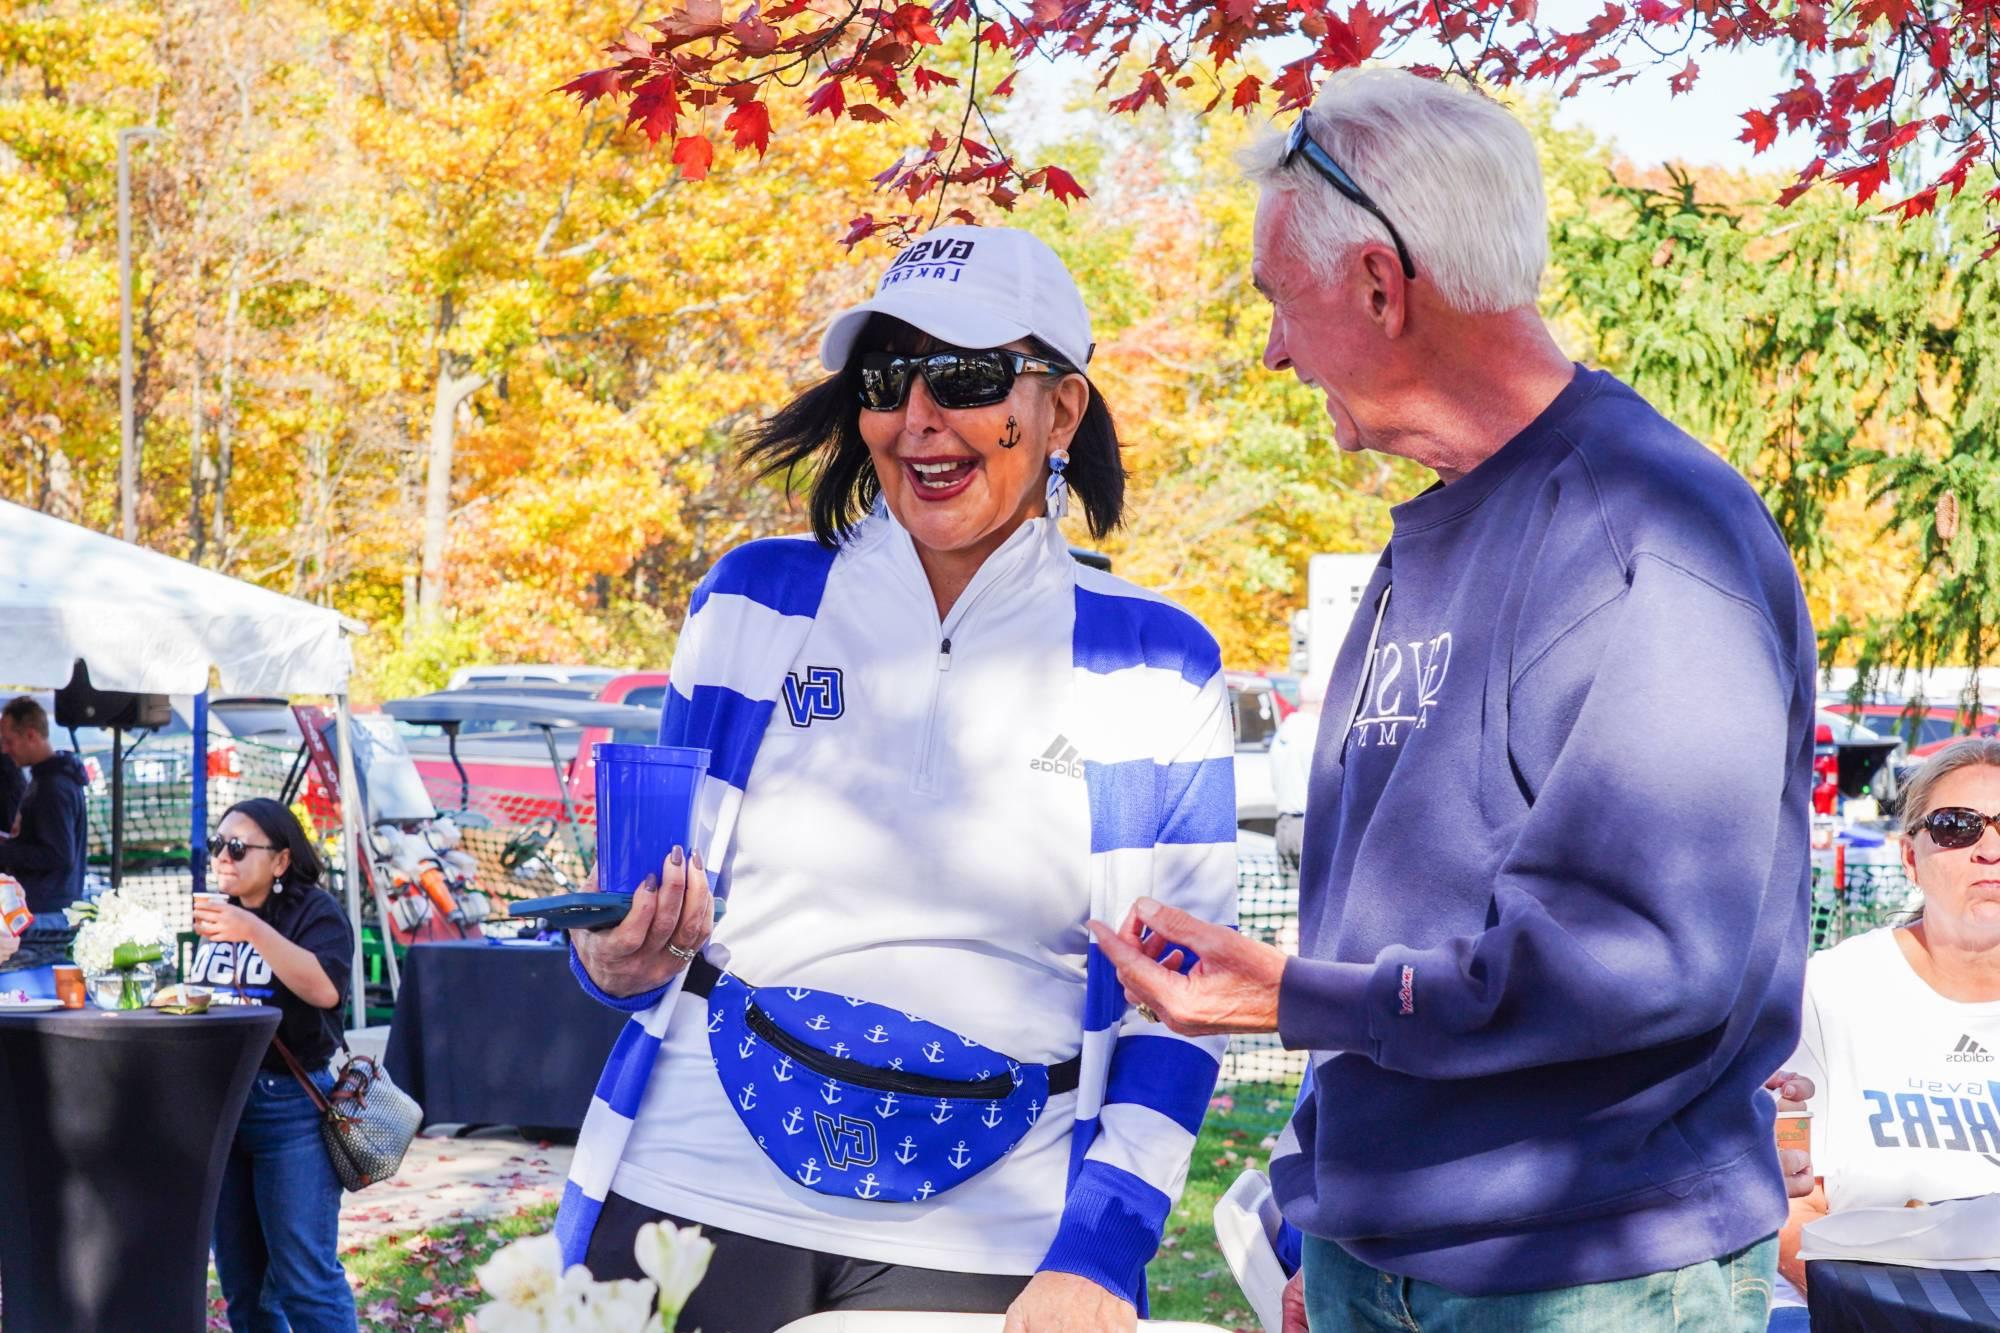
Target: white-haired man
pixel 1554 884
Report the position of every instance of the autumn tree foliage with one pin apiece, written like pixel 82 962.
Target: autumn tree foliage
pixel 1873 82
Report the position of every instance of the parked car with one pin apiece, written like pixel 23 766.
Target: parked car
pixel 1254 711
pixel 532 673
pixel 510 756
pixel 1924 730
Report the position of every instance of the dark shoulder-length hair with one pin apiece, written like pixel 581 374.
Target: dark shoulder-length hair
pixel 818 434
pixel 281 829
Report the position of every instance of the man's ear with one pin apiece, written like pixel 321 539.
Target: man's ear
pixel 1384 291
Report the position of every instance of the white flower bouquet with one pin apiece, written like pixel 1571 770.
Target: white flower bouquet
pixel 112 921
pixel 532 1293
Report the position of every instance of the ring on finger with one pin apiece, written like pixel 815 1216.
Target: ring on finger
pixel 1146 1012
pixel 684 955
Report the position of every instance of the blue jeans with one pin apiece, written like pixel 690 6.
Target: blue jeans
pixel 277 1226
pixel 1727 1295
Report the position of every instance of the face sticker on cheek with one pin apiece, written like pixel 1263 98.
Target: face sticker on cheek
pixel 1013 435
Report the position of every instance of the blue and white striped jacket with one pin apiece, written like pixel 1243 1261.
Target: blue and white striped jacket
pixel 1154 728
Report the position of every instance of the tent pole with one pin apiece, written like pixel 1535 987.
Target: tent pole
pixel 354 849
pixel 198 840
pixel 117 808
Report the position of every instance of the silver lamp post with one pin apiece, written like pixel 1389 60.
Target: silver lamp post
pixel 128 454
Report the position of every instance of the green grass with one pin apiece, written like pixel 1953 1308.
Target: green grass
pixel 424 1280
pixel 1189 1279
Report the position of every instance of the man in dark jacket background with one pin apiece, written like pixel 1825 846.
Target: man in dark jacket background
pixel 46 851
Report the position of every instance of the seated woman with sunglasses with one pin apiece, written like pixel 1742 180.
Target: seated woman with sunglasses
pixel 280 940
pixel 1902 1024
pixel 900 1076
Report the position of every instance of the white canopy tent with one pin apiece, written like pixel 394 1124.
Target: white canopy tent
pixel 146 623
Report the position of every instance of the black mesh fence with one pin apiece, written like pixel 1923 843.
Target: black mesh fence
pixel 523 846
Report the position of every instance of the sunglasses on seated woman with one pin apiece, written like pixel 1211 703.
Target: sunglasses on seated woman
pixel 956 379
pixel 236 849
pixel 1955 826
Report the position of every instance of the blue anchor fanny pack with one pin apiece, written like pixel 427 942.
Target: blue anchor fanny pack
pixel 863 1101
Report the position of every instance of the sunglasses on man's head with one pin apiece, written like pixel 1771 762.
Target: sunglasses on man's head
pixel 956 379
pixel 236 849
pixel 1301 144
pixel 1955 826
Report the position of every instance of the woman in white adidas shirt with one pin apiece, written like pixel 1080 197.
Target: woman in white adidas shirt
pixel 1901 1028
pixel 918 831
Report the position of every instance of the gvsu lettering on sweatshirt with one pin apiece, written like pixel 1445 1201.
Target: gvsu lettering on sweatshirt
pixel 1404 683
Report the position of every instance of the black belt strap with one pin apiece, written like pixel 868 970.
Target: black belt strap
pixel 702 976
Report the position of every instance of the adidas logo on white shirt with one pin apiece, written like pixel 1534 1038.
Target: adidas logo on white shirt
pixel 1969 1051
pixel 1061 757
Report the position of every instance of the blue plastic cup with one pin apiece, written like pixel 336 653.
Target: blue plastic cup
pixel 645 808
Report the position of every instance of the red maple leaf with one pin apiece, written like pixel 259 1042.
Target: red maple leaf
pixel 750 123
pixel 1866 178
pixel 1368 27
pixel 1005 88
pixel 927 79
pixel 828 97
pixel 692 155
pixel 868 115
pixel 1247 93
pixel 859 230
pixel 1918 204
pixel 597 83
pixel 1872 97
pixel 913 24
pixel 1760 130
pixel 1062 185
pixel 655 108
pixel 1683 82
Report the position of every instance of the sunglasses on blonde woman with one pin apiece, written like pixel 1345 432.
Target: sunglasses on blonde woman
pixel 1956 827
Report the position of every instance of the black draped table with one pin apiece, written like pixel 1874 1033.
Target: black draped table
pixel 1846 1296
pixel 492 1034
pixel 113 1132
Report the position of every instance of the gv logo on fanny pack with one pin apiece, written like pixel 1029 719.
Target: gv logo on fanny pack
pixel 836 1135
pixel 820 696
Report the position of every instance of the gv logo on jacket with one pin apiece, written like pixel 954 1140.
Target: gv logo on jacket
pixel 1404 683
pixel 820 696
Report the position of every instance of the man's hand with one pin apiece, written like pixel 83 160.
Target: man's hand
pixel 1234 988
pixel 670 911
pixel 1294 1304
pixel 1794 1091
pixel 1065 1303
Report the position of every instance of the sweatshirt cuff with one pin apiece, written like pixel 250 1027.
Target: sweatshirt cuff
pixel 630 1004
pixel 1323 1006
pixel 1111 1225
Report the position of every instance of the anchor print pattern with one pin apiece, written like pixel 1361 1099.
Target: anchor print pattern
pixel 835 1134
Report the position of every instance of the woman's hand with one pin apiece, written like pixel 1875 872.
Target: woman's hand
pixel 226 922
pixel 670 911
pixel 1794 1091
pixel 1066 1303
pixel 9 942
pixel 1294 1305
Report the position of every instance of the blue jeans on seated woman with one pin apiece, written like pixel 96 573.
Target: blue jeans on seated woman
pixel 1731 1294
pixel 277 1225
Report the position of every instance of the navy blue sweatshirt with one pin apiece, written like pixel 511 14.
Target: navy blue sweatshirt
pixel 47 855
pixel 1555 880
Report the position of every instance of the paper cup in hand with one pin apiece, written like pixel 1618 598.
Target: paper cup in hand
pixel 1795 1130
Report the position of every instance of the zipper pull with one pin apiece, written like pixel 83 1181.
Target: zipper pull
pixel 944 656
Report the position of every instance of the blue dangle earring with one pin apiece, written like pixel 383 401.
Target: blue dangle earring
pixel 1058 488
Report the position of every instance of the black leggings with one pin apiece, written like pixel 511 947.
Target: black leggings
pixel 756 1286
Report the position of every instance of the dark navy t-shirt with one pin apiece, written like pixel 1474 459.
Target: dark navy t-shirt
pixel 313 919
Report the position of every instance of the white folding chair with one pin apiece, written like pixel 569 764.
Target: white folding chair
pixel 1246 1229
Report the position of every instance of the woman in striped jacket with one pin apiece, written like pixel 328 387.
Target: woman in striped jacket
pixel 899 1075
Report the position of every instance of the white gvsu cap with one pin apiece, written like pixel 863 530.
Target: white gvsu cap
pixel 973 287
